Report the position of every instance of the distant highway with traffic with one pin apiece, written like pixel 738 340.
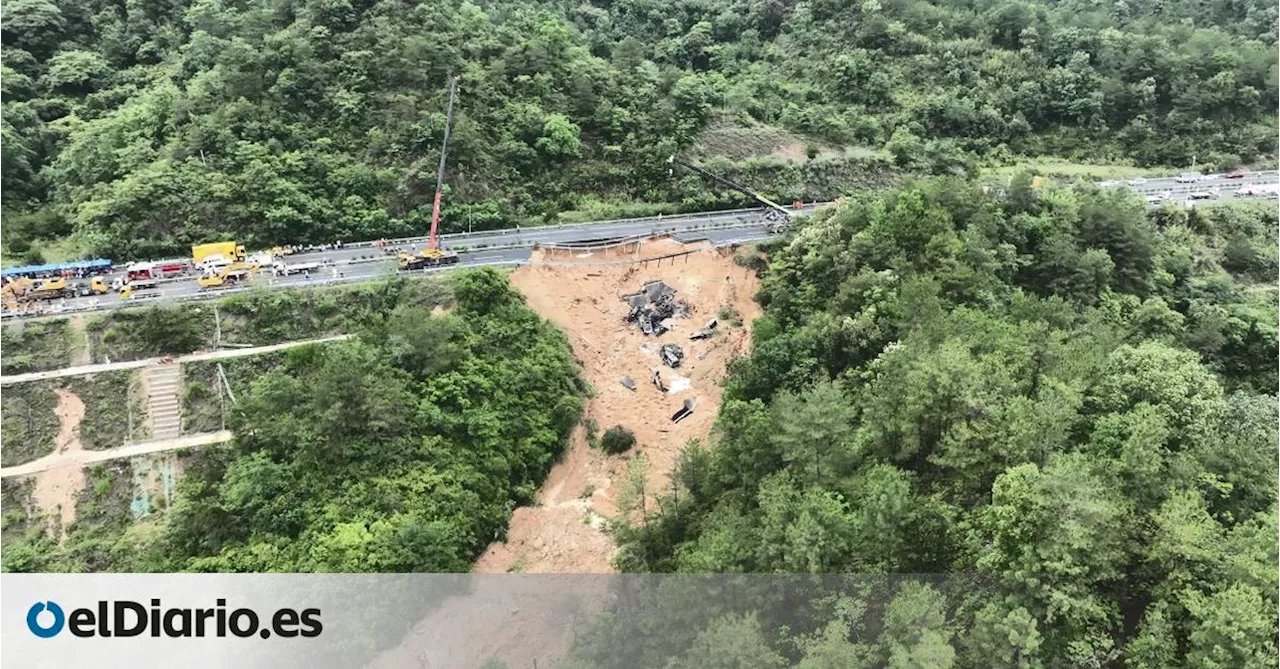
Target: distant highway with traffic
pixel 1219 186
pixel 362 261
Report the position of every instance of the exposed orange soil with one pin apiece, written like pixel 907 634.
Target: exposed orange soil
pixel 56 489
pixel 565 531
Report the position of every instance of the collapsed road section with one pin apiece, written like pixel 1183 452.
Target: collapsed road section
pixel 618 341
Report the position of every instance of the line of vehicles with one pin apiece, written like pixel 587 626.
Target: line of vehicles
pixel 213 266
pixel 1210 187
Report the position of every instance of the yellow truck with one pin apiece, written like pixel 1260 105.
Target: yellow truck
pixel 427 257
pixel 226 277
pixel 217 252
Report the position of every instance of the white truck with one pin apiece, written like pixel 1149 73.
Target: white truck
pixel 286 269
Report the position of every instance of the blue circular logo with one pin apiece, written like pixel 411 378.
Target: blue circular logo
pixel 33 619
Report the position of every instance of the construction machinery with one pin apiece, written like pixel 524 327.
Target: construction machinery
pixel 779 217
pixel 225 277
pixel 432 255
pixel 427 257
pixel 51 289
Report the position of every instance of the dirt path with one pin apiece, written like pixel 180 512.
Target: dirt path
pixel 135 364
pixel 565 532
pixel 77 458
pixel 56 487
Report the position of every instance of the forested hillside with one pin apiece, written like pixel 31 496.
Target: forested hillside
pixel 144 126
pixel 402 451
pixel 1063 395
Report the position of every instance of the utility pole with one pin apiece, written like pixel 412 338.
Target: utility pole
pixel 433 241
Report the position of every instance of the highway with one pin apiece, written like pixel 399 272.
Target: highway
pixel 362 261
pixel 1222 188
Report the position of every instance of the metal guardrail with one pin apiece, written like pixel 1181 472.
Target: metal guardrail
pixel 570 226
pixel 331 281
pixel 1226 190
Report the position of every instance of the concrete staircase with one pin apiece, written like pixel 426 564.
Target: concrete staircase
pixel 163 403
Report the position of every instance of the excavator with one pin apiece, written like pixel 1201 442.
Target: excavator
pixel 432 255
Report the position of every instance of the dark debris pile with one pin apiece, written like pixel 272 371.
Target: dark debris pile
pixel 653 306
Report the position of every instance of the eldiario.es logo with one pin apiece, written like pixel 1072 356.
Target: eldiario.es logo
pixel 124 618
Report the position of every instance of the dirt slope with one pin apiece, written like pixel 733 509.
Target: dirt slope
pixel 56 488
pixel 564 533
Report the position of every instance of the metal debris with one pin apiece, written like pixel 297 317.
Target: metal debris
pixel 706 330
pixel 684 412
pixel 671 355
pixel 653 306
pixel 657 379
pixel 628 383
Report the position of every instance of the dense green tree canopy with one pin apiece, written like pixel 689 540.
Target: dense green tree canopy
pixel 147 126
pixel 404 450
pixel 1025 388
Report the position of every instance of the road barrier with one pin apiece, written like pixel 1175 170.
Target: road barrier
pixel 1225 189
pixel 657 220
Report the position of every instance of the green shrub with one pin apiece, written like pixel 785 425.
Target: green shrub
pixel 617 440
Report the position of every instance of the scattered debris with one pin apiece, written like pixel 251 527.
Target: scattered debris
pixel 671 355
pixel 629 383
pixel 657 379
pixel 654 306
pixel 684 412
pixel 706 330
pixel 679 384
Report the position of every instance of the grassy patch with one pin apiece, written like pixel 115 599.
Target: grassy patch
pixel 100 539
pixel 134 334
pixel 1065 169
pixel 729 315
pixel 106 494
pixel 18 513
pixel 201 409
pixel 34 346
pixel 260 317
pixel 736 142
pixel 28 423
pixel 270 317
pixel 114 411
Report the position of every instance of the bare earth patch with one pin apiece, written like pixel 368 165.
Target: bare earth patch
pixel 564 533
pixel 56 489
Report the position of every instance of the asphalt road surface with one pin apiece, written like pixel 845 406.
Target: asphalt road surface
pixel 1218 185
pixel 361 261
